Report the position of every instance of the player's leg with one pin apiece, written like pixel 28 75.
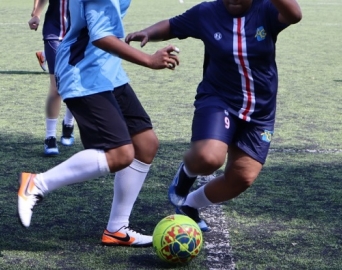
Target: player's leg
pixel 203 158
pixel 53 106
pixel 245 160
pixel 128 182
pixel 210 138
pixel 246 156
pixel 67 137
pixel 107 144
pixel 240 173
pixel 53 102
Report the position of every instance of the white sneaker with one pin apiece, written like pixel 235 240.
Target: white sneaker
pixel 28 196
pixel 125 236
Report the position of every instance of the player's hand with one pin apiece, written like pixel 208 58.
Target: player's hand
pixel 165 58
pixel 34 23
pixel 138 36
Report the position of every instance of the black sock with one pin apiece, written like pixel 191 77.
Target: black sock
pixel 184 183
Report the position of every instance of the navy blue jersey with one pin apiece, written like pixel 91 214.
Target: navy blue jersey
pixel 240 62
pixel 55 22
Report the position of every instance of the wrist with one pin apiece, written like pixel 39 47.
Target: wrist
pixel 35 15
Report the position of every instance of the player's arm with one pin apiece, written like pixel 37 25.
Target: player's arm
pixel 39 6
pixel 161 59
pixel 35 3
pixel 157 32
pixel 35 15
pixel 289 11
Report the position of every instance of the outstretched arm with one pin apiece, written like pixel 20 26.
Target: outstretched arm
pixel 161 59
pixel 157 32
pixel 289 11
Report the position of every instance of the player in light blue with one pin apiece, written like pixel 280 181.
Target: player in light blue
pixel 115 130
pixel 236 100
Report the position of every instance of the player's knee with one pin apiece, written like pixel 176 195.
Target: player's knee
pixel 146 150
pixel 207 163
pixel 119 158
pixel 153 145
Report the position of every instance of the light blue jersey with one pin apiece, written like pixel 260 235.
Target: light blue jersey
pixel 81 68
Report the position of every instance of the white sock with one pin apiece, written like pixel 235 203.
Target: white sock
pixel 84 165
pixel 197 199
pixel 51 126
pixel 127 185
pixel 188 173
pixel 68 118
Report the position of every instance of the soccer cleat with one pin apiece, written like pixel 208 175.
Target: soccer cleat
pixel 50 146
pixel 125 236
pixel 67 138
pixel 174 198
pixel 193 214
pixel 28 196
pixel 41 60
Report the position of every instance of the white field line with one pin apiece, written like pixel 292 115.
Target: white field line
pixel 12 23
pixel 216 242
pixel 314 151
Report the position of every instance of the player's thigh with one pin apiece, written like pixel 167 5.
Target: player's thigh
pixel 50 49
pixel 249 150
pixel 254 139
pixel 136 118
pixel 138 123
pixel 100 121
pixel 241 166
pixel 213 130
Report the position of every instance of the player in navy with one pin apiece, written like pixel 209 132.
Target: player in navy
pixel 55 25
pixel 236 100
pixel 115 130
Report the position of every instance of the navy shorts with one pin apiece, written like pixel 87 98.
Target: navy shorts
pixel 212 120
pixel 50 49
pixel 107 120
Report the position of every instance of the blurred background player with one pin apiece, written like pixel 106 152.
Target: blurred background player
pixel 236 100
pixel 115 130
pixel 55 25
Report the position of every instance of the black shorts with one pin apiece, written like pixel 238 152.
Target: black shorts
pixel 107 120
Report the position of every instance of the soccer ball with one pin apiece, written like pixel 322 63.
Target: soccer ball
pixel 177 239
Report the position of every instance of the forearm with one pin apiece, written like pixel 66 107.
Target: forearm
pixel 159 31
pixel 289 10
pixel 35 3
pixel 39 6
pixel 113 45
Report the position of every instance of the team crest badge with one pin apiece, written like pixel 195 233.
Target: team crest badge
pixel 260 33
